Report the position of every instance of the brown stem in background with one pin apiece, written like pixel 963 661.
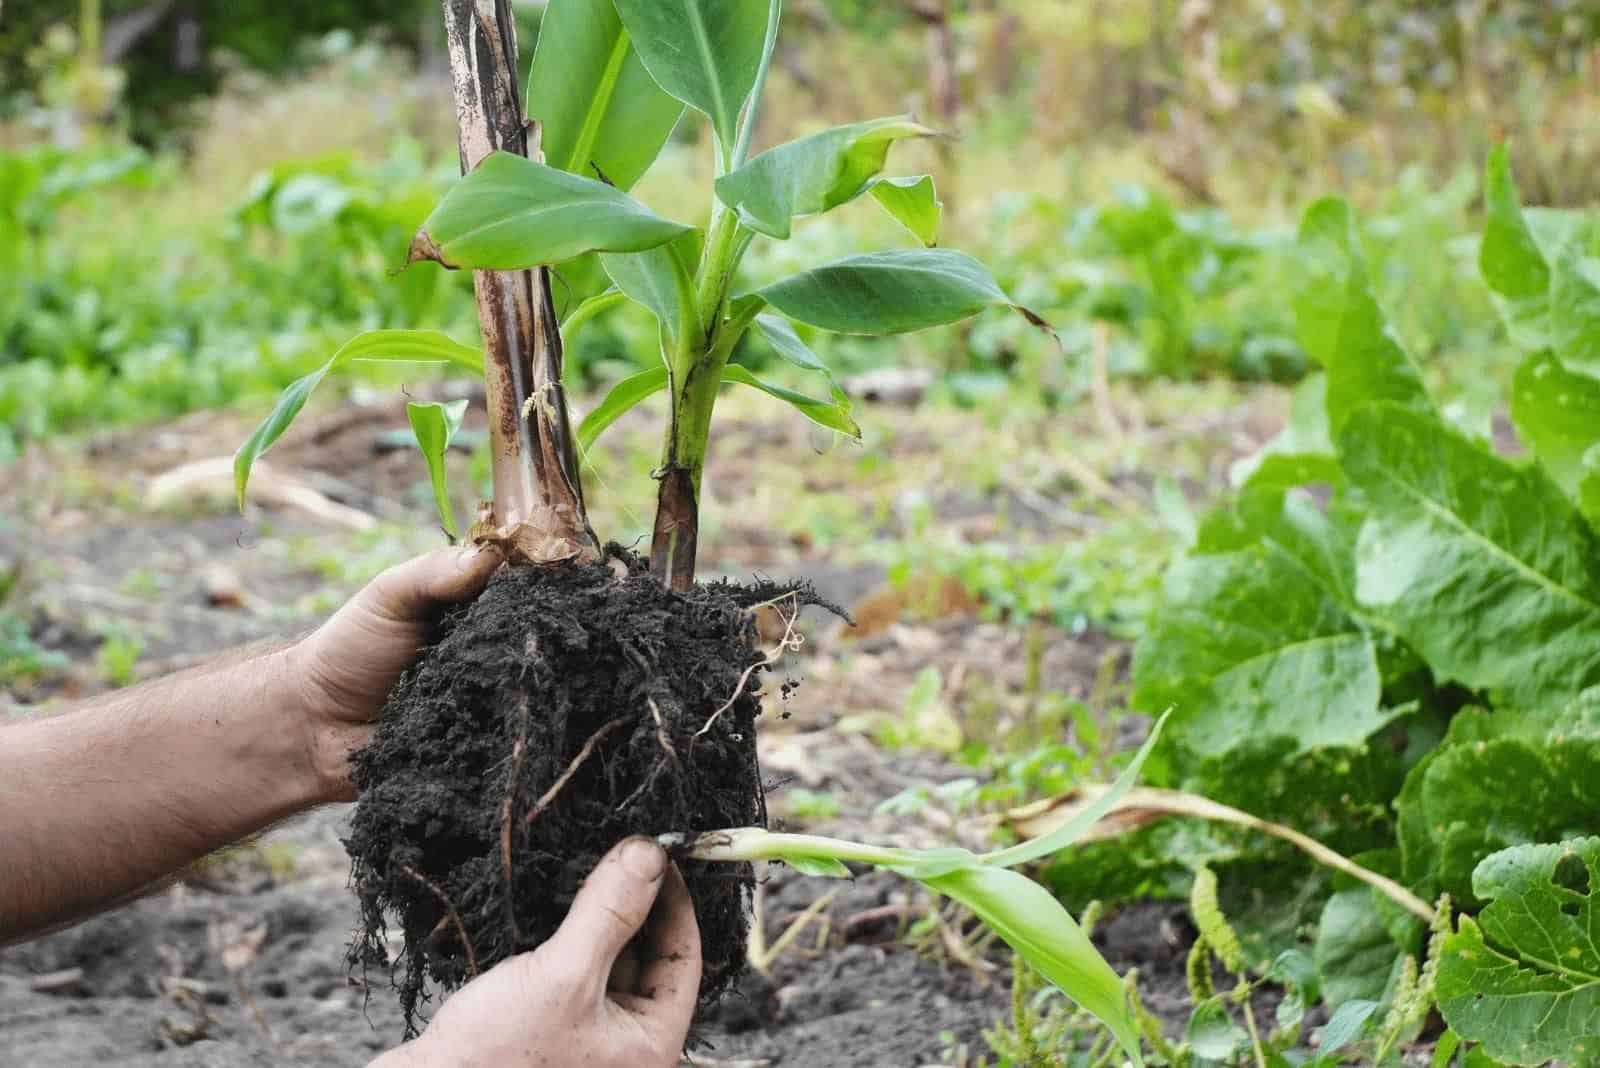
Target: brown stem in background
pixel 537 514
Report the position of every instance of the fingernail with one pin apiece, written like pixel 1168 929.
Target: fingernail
pixel 644 859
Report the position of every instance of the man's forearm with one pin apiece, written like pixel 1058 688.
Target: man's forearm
pixel 115 794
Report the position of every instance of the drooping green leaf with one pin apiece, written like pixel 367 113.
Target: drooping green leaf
pixel 811 175
pixel 1034 924
pixel 590 309
pixel 1341 324
pixel 1524 978
pixel 1354 952
pixel 890 292
pixel 828 414
pixel 704 52
pixel 1457 536
pixel 1575 300
pixel 660 278
pixel 622 396
pixel 1249 645
pixel 434 425
pixel 1557 413
pixel 1344 1027
pixel 1081 823
pixel 788 344
pixel 401 346
pixel 1510 260
pixel 511 213
pixel 913 203
pixel 602 113
pixel 1212 1034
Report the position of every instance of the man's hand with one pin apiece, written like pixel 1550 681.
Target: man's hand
pixel 583 998
pixel 346 668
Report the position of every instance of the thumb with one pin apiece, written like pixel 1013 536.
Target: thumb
pixel 612 905
pixel 408 591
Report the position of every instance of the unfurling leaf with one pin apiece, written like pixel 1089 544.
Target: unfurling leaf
pixel 1524 978
pixel 913 203
pixel 434 425
pixel 890 292
pixel 811 175
pixel 602 114
pixel 704 52
pixel 511 213
pixel 401 346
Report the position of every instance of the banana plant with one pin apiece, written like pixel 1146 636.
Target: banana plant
pixel 610 80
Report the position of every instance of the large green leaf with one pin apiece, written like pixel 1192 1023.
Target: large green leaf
pixel 1557 413
pixel 1340 322
pixel 434 425
pixel 602 113
pixel 402 346
pixel 913 203
pixel 813 174
pixel 511 213
pixel 704 52
pixel 1524 978
pixel 1483 567
pixel 890 292
pixel 1249 645
pixel 1510 260
pixel 1033 923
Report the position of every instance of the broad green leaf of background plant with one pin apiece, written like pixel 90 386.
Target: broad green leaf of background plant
pixel 1523 978
pixel 1033 923
pixel 511 213
pixel 890 292
pixel 812 175
pixel 1575 299
pixel 913 203
pixel 1248 645
pixel 1557 413
pixel 1340 323
pixel 402 346
pixel 1353 952
pixel 602 113
pixel 704 52
pixel 1510 260
pixel 434 425
pixel 661 278
pixel 1483 567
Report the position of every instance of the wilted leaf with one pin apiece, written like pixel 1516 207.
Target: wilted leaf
pixel 1524 978
pixel 402 346
pixel 1457 537
pixel 601 112
pixel 811 175
pixel 511 213
pixel 434 425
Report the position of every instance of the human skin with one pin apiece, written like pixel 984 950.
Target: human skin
pixel 106 800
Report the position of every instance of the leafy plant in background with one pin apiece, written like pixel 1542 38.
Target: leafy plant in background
pixel 609 81
pixel 1410 656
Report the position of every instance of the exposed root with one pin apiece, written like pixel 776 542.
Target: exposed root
pixel 788 643
pixel 661 732
pixel 449 910
pixel 518 751
pixel 572 769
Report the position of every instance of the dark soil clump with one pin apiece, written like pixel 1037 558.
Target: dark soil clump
pixel 567 708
